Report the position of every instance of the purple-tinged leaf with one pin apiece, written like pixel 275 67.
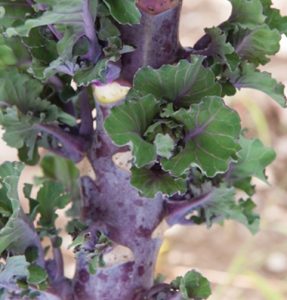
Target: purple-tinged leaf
pixel 182 84
pixel 151 181
pixel 249 77
pixel 256 45
pixel 247 13
pixel 211 141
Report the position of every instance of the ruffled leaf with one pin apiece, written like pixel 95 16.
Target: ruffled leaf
pixel 249 77
pixel 254 157
pixel 211 142
pixel 274 19
pixel 127 124
pixel 182 84
pixel 247 13
pixel 58 12
pixel 164 145
pixel 219 48
pixel 224 207
pixel 14 12
pixel 256 45
pixel 16 233
pixel 23 109
pixel 50 197
pixel 150 182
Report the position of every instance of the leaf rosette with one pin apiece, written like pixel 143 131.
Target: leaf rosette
pixel 176 126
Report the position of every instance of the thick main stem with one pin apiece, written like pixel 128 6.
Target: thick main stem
pixel 114 208
pixel 111 205
pixel 155 39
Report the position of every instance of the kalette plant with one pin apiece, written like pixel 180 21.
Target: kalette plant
pixel 189 152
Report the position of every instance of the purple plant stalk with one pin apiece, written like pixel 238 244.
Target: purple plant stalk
pixel 94 51
pixel 70 146
pixel 155 39
pixel 110 204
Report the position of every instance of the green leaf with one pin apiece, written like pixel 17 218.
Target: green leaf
pixel 211 141
pixel 182 84
pixel 60 169
pixel 250 77
pixel 14 12
pixel 254 157
pixel 7 56
pixel 23 109
pixel 78 241
pixel 124 11
pixel 244 184
pixel 274 19
pixel 24 92
pixel 40 47
pixel 58 12
pixel 150 181
pixel 37 275
pixel 164 127
pixel 219 48
pixel 51 197
pixel 255 45
pixel 128 122
pixel 17 233
pixel 252 219
pixel 247 13
pixel 31 254
pixel 223 206
pixel 84 77
pixel 164 145
pixel 108 29
pixel 30 156
pixel 16 267
pixel 194 286
pixel 19 131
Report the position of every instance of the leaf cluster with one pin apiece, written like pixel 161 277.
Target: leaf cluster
pixel 187 142
pixel 44 47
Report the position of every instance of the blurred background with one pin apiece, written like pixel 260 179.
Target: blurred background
pixel 239 266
